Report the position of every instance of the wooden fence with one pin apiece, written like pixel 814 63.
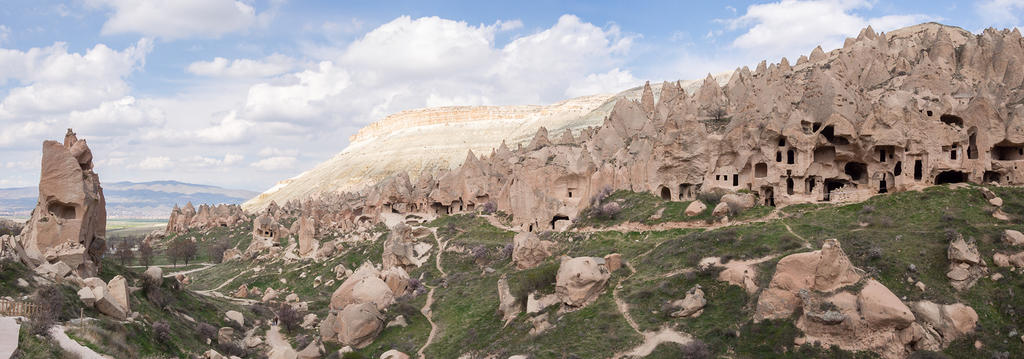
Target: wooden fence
pixel 18 308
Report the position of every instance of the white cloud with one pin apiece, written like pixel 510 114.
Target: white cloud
pixel 302 97
pixel 791 27
pixel 178 18
pixel 117 117
pixel 609 82
pixel 275 163
pixel 274 151
pixel 1001 12
pixel 275 64
pixel 155 163
pixel 230 129
pixel 57 81
pixel 232 158
pixel 5 33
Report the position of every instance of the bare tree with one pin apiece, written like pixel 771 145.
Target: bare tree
pixel 718 113
pixel 145 254
pixel 124 251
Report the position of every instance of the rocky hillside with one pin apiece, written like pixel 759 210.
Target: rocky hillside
pixel 426 140
pixel 149 200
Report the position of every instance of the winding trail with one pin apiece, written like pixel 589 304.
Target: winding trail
pixel 427 312
pixel 807 244
pixel 71 346
pixel 497 223
pixel 205 266
pixel 279 348
pixel 664 226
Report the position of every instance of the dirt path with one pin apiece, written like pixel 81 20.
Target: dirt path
pixel 807 244
pixel 71 346
pixel 440 251
pixel 497 223
pixel 622 305
pixel 279 348
pixel 204 267
pixel 168 265
pixel 429 313
pixel 653 339
pixel 664 226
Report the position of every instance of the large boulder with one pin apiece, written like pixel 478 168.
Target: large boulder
pixel 363 286
pixel 690 306
pixel 154 274
pixel 397 280
pixel 308 245
pixel 881 308
pixel 580 280
pixel 823 270
pixel 357 325
pixel 529 251
pixel 1013 237
pixel 695 208
pixel 507 305
pixel 235 316
pixel 951 320
pixel 739 201
pixel 118 288
pixel 68 223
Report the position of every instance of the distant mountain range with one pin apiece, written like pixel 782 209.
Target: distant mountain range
pixel 151 200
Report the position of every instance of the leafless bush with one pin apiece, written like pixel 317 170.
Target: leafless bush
pixel 489 207
pixel 600 196
pixel 206 331
pixel 51 302
pixel 695 349
pixel 609 210
pixel 288 317
pixel 507 251
pixel 162 331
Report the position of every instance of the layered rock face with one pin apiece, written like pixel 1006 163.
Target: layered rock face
pixel 70 219
pixel 924 105
pixel 207 217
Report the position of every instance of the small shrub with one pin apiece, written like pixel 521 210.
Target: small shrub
pixel 206 331
pixel 695 349
pixel 868 209
pixel 480 254
pixel 710 198
pixel 506 253
pixel 489 208
pixel 609 210
pixel 535 280
pixel 261 311
pixel 51 302
pixel 874 253
pixel 232 349
pixel 162 331
pixel 288 317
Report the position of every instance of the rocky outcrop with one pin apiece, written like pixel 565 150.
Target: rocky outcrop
pixel 69 222
pixel 363 286
pixel 357 325
pixel 965 263
pixel 207 217
pixel 690 306
pixel 840 307
pixel 580 280
pixel 507 305
pixel 110 299
pixel 402 250
pixel 529 251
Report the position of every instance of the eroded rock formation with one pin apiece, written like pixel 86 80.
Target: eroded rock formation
pixel 69 222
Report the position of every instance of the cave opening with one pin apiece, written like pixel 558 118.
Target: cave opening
pixel 666 194
pixel 918 170
pixel 761 170
pixel 856 170
pixel 555 219
pixel 950 177
pixel 952 120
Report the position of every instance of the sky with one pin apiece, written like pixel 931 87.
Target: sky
pixel 244 93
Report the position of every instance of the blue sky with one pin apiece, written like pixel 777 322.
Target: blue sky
pixel 243 93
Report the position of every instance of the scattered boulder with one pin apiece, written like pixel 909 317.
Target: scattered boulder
pixel 235 316
pixel 951 321
pixel 507 305
pixel 580 280
pixel 363 286
pixel 242 292
pixel 1013 237
pixel 358 325
pixel 881 308
pixel 690 306
pixel 397 280
pixel 529 251
pixel 965 263
pixel 399 321
pixel 613 262
pixel 394 354
pixel 225 335
pixel 695 208
pixel 154 274
pixel 721 209
pixel 739 201
pixel 231 254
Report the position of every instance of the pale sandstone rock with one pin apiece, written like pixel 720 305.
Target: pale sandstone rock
pixel 1013 237
pixel 394 354
pixel 721 209
pixel 225 335
pixel 998 202
pixel 506 302
pixel 580 280
pixel 363 286
pixel 397 280
pixel 235 316
pixel 358 325
pixel 529 251
pixel 613 262
pixel 690 306
pixel 69 221
pixel 118 290
pixel 154 274
pixel 695 208
pixel 881 308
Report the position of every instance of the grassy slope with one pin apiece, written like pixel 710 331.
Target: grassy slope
pixel 883 235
